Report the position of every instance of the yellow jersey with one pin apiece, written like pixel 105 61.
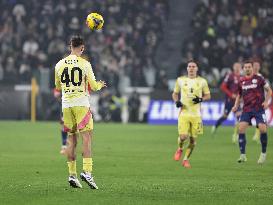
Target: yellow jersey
pixel 73 74
pixel 188 89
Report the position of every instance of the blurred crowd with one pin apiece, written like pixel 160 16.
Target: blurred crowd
pixel 225 31
pixel 110 106
pixel 34 35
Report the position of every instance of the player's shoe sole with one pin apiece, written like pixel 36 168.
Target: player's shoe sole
pixel 74 182
pixel 178 154
pixel 89 180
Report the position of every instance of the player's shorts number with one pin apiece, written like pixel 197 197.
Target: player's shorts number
pixel 66 78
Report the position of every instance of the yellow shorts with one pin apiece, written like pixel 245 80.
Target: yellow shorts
pixel 190 125
pixel 77 118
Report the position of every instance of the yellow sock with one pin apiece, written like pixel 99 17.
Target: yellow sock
pixel 180 143
pixel 72 168
pixel 189 151
pixel 257 132
pixel 236 129
pixel 87 165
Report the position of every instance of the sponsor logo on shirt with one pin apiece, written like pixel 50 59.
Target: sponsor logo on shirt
pixel 251 86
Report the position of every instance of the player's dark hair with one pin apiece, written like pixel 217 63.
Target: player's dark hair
pixel 247 62
pixel 76 41
pixel 192 61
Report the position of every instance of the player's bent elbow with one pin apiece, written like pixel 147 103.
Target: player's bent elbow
pixel 175 96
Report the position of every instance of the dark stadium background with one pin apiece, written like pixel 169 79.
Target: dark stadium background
pixel 143 47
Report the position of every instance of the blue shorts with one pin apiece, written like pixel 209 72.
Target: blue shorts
pixel 258 116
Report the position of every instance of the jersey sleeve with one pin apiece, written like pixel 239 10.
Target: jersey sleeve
pixel 205 88
pixel 91 80
pixel 176 87
pixel 265 83
pixel 57 78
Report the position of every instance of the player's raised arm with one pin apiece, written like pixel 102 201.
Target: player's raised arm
pixel 91 80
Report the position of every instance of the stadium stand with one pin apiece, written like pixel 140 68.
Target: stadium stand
pixel 34 36
pixel 225 31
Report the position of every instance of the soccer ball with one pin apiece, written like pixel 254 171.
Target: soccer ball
pixel 94 21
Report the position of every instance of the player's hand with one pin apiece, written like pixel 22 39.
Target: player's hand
pixel 265 105
pixel 103 83
pixel 197 100
pixel 178 104
pixel 233 96
pixel 234 109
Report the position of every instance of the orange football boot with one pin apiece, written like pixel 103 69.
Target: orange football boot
pixel 178 154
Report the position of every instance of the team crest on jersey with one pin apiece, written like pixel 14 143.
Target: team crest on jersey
pixel 254 81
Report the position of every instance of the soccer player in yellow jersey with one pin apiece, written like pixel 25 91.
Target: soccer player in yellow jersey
pixel 73 74
pixel 193 90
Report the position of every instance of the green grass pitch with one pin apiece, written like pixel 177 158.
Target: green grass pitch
pixel 133 164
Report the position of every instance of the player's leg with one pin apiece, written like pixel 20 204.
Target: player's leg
pixel 263 140
pixel 236 127
pixel 85 126
pixel 218 123
pixel 181 141
pixel 227 109
pixel 256 136
pixel 196 129
pixel 70 127
pixel 188 152
pixel 64 136
pixel 183 128
pixel 86 175
pixel 235 133
pixel 71 154
pixel 64 144
pixel 71 161
pixel 242 139
pixel 86 152
pixel 261 121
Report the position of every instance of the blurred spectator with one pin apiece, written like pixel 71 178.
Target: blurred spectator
pixel 162 80
pixel 41 32
pixel 1 69
pixel 228 31
pixel 133 107
pixel 150 73
pixel 116 105
pixel 104 105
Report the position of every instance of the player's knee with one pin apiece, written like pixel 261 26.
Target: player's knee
pixel 183 137
pixel 241 129
pixel 262 129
